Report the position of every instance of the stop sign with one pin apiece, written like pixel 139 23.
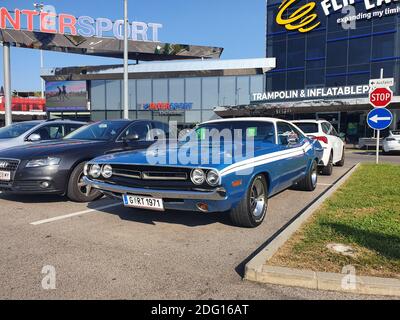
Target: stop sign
pixel 381 97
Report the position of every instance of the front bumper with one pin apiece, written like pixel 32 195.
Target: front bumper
pixel 218 194
pixel 217 199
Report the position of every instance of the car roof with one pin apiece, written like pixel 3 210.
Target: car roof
pixel 310 121
pixel 259 119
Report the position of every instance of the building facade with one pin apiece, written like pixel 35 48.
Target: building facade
pixel 333 55
pixel 183 91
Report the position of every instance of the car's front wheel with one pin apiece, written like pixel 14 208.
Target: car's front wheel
pixel 77 188
pixel 251 211
pixel 309 182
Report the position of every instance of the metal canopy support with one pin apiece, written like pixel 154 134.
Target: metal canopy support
pixel 126 52
pixel 7 83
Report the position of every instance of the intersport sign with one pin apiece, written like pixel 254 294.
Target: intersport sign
pixel 48 21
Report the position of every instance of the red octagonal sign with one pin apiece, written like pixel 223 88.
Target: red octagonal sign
pixel 381 97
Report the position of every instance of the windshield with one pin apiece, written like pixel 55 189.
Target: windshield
pixel 259 131
pixel 307 127
pixel 15 130
pixel 100 131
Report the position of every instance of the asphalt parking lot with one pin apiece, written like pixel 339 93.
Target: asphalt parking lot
pixel 104 251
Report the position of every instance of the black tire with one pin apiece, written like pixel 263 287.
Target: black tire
pixel 76 189
pixel 328 170
pixel 343 160
pixel 309 183
pixel 249 213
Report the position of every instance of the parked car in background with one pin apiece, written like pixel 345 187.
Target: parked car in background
pixel 57 167
pixel 392 142
pixel 330 140
pixel 25 133
pixel 283 156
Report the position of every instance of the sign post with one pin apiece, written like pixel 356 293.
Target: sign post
pixel 380 97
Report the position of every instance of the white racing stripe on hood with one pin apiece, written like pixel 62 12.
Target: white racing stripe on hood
pixel 268 158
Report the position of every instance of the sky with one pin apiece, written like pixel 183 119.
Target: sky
pixel 236 25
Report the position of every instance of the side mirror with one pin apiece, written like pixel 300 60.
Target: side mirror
pixel 132 137
pixel 34 137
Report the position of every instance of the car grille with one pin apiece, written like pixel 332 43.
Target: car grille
pixel 9 165
pixel 152 177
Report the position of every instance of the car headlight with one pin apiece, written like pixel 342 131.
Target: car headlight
pixel 95 171
pixel 213 178
pixel 198 177
pixel 107 171
pixel 45 162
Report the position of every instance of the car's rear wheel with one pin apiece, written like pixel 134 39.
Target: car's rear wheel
pixel 77 188
pixel 309 183
pixel 343 160
pixel 251 211
pixel 328 169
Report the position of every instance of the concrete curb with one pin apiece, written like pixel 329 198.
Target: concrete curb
pixel 257 270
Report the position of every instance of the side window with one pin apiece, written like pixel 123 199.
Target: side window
pixel 286 134
pixel 142 129
pixel 326 128
pixel 161 129
pixel 71 128
pixel 300 136
pixel 50 132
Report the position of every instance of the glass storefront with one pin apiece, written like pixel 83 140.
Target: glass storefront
pixel 189 100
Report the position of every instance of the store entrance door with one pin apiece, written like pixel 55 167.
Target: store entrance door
pixel 332 117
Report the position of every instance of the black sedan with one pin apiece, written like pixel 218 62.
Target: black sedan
pixel 57 167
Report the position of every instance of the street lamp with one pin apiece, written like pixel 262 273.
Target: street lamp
pixel 126 75
pixel 39 7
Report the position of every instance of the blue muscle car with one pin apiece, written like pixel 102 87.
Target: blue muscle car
pixel 235 166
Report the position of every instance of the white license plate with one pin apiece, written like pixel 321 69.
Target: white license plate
pixel 143 202
pixel 5 176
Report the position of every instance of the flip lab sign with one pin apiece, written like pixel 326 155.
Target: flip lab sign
pixel 49 21
pixel 304 18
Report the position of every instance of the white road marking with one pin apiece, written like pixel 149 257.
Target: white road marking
pixel 67 216
pixel 325 184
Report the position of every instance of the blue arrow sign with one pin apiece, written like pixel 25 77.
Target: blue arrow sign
pixel 380 119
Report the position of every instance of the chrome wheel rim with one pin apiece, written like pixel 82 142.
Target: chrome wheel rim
pixel 82 186
pixel 257 198
pixel 314 177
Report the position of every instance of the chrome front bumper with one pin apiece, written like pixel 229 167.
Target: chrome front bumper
pixel 216 194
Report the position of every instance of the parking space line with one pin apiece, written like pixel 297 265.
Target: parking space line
pixel 67 216
pixel 325 184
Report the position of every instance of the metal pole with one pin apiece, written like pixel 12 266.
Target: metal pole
pixel 378 136
pixel 41 67
pixel 7 83
pixel 126 75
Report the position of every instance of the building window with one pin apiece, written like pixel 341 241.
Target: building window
pixel 113 94
pixel 243 90
pixel 257 84
pixel 210 93
pixel 132 95
pixel 315 77
pixel 337 53
pixel 193 92
pixel 227 91
pixel 295 80
pixel 176 90
pixel 160 90
pixel 296 52
pixel 98 94
pixel 360 50
pixel 144 93
pixel 383 46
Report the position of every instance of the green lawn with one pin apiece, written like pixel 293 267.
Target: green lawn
pixel 365 214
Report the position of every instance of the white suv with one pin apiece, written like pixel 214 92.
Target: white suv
pixel 392 142
pixel 329 139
